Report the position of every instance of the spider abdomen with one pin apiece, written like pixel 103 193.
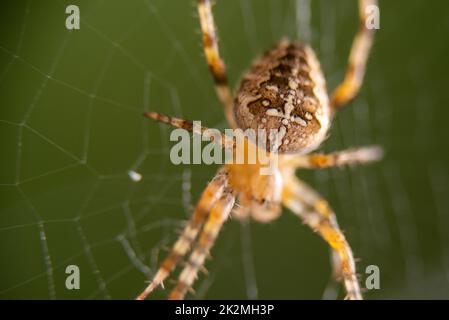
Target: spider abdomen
pixel 285 92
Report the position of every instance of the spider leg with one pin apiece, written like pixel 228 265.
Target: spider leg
pixel 340 158
pixel 215 63
pixel 229 142
pixel 315 212
pixel 210 196
pixel 218 215
pixel 175 122
pixel 358 57
pixel 331 290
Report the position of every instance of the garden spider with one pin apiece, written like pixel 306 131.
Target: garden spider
pixel 284 90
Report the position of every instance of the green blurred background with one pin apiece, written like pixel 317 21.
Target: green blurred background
pixel 71 130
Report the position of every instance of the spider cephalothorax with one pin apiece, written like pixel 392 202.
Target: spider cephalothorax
pixel 285 91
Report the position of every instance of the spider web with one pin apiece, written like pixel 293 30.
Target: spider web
pixel 86 181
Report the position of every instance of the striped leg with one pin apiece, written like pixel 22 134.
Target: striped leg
pixel 176 122
pixel 216 65
pixel 314 211
pixel 357 59
pixel 228 142
pixel 336 159
pixel 220 212
pixel 210 196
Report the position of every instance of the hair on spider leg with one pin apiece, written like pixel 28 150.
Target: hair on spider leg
pixel 160 284
pixel 204 270
pixel 238 205
pixel 191 290
pixel 364 290
pixel 235 211
pixel 189 262
pixel 176 281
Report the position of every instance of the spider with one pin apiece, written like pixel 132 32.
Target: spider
pixel 284 90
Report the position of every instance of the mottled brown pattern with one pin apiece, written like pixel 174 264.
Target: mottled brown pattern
pixel 268 84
